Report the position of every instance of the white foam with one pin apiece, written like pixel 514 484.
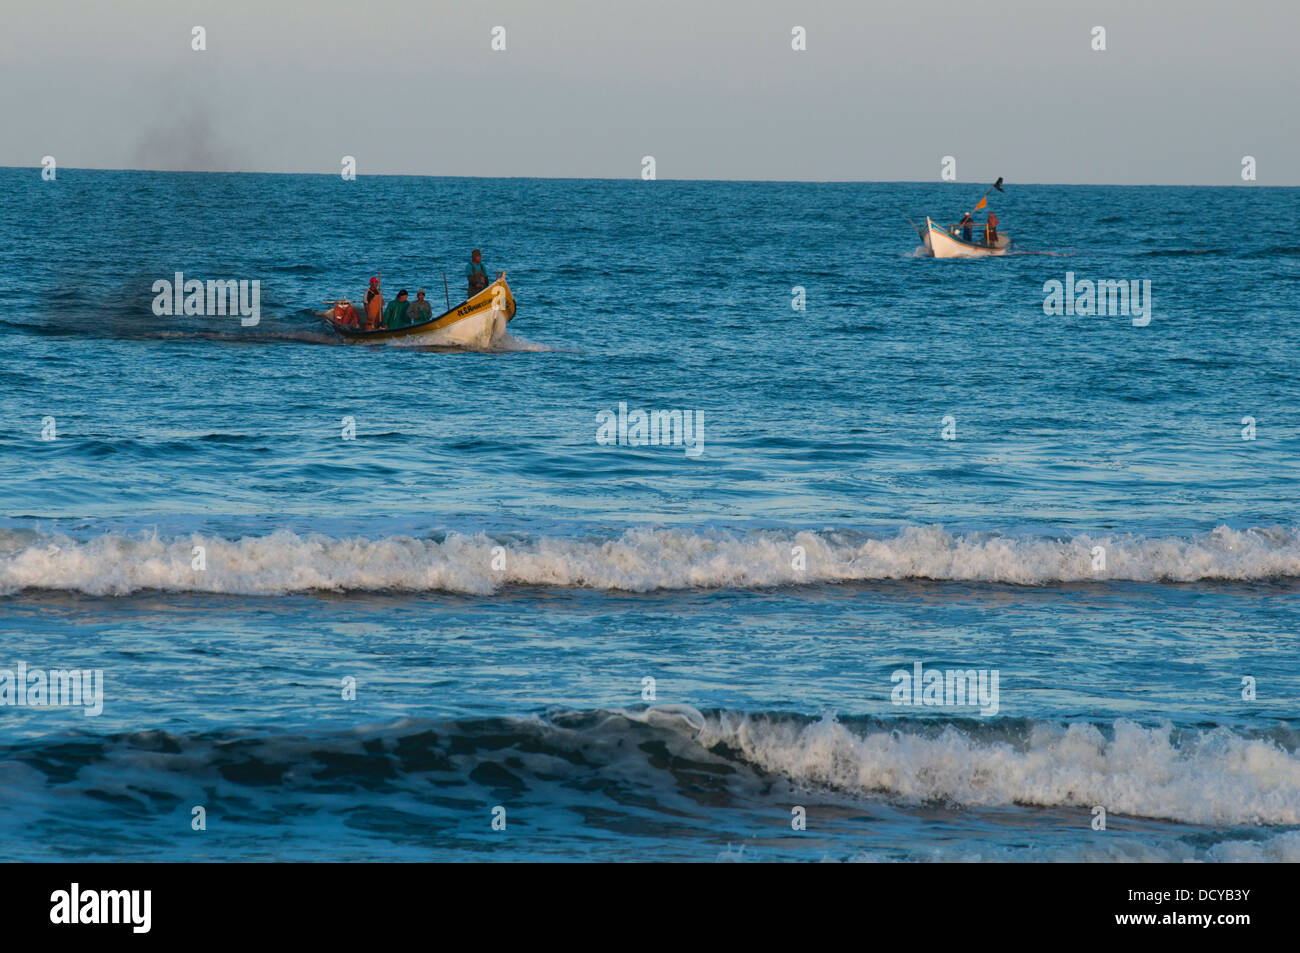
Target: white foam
pixel 638 560
pixel 510 342
pixel 1281 848
pixel 1218 778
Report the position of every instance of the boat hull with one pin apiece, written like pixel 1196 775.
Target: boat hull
pixel 478 322
pixel 941 244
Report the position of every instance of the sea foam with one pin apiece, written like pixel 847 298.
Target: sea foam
pixel 1213 777
pixel 636 560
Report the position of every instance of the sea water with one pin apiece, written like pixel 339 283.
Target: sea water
pixel 394 602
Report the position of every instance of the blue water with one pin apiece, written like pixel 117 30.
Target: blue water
pixel 500 585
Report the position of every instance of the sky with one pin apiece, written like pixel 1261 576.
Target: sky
pixel 710 88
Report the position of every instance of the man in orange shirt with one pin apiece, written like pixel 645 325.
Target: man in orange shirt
pixel 374 305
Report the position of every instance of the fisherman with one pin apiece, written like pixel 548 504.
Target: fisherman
pixel 395 314
pixel 420 310
pixel 346 315
pixel 993 228
pixel 476 273
pixel 965 224
pixel 374 305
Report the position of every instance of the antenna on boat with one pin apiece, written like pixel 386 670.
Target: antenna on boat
pixel 446 291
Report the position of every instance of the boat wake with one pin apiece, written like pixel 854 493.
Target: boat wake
pixel 642 559
pixel 509 344
pixel 269 336
pixel 512 343
pixel 922 252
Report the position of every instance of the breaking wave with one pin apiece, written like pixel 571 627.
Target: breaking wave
pixel 1212 777
pixel 637 560
pixel 655 762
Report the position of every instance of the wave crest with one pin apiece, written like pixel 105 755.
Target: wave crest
pixel 1213 777
pixel 637 560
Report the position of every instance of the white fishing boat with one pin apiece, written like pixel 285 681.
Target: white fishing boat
pixel 948 241
pixel 968 238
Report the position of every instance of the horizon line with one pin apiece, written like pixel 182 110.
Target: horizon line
pixel 600 178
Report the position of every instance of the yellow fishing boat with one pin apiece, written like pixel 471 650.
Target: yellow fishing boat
pixel 477 322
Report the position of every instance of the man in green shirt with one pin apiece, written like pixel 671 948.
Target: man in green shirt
pixel 420 310
pixel 395 313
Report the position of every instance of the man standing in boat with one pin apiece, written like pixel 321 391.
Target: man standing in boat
pixel 965 224
pixel 374 305
pixel 476 272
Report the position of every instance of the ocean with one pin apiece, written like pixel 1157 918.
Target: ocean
pixel 484 620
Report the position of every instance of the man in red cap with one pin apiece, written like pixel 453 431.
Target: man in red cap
pixel 374 305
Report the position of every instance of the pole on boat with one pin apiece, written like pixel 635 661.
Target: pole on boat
pixel 996 185
pixel 446 291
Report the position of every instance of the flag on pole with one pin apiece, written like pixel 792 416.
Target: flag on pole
pixel 982 202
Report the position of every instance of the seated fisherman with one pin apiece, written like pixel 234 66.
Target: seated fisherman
pixel 420 310
pixel 346 315
pixel 395 313
pixel 476 272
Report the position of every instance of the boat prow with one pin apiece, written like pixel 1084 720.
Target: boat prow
pixel 942 242
pixel 478 322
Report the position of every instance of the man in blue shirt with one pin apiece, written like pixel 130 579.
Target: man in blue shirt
pixel 476 272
